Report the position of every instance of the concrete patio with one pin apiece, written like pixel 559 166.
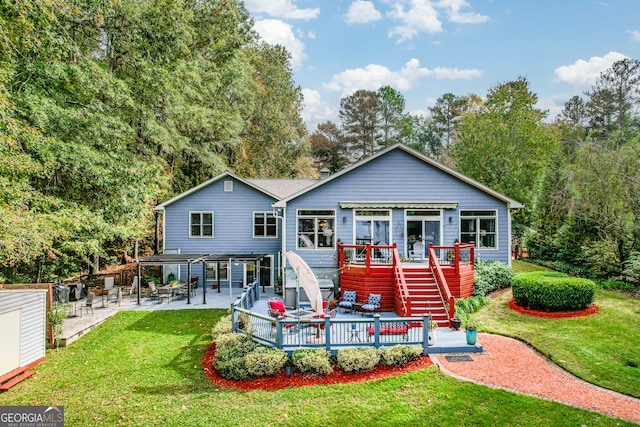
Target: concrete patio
pixel 75 326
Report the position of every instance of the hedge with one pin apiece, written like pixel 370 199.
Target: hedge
pixel 552 291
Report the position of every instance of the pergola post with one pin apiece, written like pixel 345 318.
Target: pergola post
pixel 188 282
pixel 139 280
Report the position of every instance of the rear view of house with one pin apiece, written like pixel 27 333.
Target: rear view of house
pixel 396 203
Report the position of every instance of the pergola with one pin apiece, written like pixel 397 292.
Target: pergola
pixel 189 259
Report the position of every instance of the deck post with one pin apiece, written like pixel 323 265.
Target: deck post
pixel 376 328
pixel 425 334
pixel 456 259
pixel 327 333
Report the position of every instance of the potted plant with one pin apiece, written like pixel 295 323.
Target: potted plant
pixel 456 322
pixel 347 255
pixel 471 326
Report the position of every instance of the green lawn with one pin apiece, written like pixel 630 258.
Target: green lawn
pixel 143 368
pixel 601 349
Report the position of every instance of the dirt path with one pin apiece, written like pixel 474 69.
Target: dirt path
pixel 510 364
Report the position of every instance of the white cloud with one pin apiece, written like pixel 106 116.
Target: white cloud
pixel 373 76
pixel 453 12
pixel 274 31
pixel 419 16
pixel 281 9
pixel 635 35
pixel 361 12
pixel 585 73
pixel 315 110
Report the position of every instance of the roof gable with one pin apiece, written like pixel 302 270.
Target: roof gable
pixel 426 159
pixel 226 174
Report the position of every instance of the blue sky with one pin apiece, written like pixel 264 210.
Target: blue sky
pixel 426 48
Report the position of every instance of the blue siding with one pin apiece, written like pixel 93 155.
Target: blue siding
pixel 233 223
pixel 397 176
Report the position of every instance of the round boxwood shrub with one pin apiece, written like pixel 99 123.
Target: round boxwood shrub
pixel 552 291
pixel 231 350
pixel 358 359
pixel 263 361
pixel 312 361
pixel 399 355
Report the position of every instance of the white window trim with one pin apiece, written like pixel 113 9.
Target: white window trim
pixel 460 218
pixel 253 227
pixel 373 218
pixel 439 217
pixel 213 221
pixel 316 248
pixel 223 271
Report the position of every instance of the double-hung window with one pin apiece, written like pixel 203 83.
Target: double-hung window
pixel 211 271
pixel 479 228
pixel 316 229
pixel 201 224
pixel 264 225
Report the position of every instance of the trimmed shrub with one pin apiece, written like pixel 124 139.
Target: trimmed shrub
pixel 231 350
pixel 552 291
pixel 264 361
pixel 222 327
pixel 632 267
pixel 312 362
pixel 491 276
pixel 358 359
pixel 399 355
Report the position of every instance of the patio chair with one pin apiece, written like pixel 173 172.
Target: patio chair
pixel 278 315
pixel 332 314
pixel 348 300
pixel 153 291
pixel 373 303
pixel 164 293
pixel 109 291
pixel 91 301
pixel 133 289
pixel 417 251
pixel 278 305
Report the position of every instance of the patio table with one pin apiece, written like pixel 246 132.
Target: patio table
pixel 300 314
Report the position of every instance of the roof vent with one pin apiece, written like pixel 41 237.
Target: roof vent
pixel 228 186
pixel 324 173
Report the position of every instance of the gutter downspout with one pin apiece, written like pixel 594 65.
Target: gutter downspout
pixel 283 245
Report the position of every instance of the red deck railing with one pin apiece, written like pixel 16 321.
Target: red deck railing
pixel 459 258
pixel 401 284
pixel 441 281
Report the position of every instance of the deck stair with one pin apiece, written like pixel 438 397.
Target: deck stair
pixel 424 292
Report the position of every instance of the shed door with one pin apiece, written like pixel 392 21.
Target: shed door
pixel 10 339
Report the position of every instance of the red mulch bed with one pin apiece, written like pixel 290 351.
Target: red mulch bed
pixel 592 309
pixel 297 379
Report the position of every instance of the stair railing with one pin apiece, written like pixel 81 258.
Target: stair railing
pixel 401 284
pixel 445 293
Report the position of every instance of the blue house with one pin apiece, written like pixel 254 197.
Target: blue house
pixel 395 203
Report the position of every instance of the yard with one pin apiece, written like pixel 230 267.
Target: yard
pixel 143 368
pixel 601 349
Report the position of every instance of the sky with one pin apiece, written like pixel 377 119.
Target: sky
pixel 427 48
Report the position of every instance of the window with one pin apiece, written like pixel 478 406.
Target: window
pixel 372 227
pixel 316 229
pixel 264 225
pixel 211 271
pixel 201 224
pixel 479 228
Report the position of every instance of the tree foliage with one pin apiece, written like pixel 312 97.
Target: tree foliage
pixel 107 108
pixel 504 144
